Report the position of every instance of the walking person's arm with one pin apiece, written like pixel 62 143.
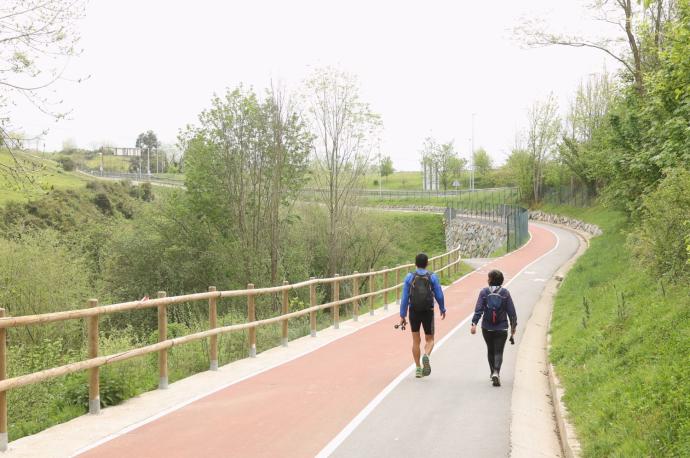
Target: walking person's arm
pixel 478 310
pixel 404 301
pixel 438 295
pixel 512 315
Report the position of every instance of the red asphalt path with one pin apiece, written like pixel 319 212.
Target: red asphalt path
pixel 297 408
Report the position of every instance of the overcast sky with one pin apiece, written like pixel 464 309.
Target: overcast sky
pixel 424 66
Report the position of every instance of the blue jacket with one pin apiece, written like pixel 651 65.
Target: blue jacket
pixel 507 305
pixel 435 288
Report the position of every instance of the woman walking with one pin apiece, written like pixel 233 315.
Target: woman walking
pixel 497 307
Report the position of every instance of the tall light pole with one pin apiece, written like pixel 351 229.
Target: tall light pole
pixel 472 155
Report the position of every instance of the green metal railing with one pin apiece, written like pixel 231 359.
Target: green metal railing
pixel 514 218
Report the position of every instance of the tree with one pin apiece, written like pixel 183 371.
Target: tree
pixel 482 162
pixel 386 166
pixel 346 131
pixel 647 134
pixel 587 115
pixel 37 39
pixel 245 163
pixel 147 141
pixel 443 160
pixel 543 129
pixel 641 26
pixel 520 171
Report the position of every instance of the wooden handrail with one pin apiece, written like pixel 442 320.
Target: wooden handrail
pixel 92 314
pixel 11 322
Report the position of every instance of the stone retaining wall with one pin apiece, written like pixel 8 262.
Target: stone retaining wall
pixel 476 238
pixel 572 223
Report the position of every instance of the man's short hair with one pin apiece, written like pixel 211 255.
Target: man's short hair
pixel 421 261
pixel 495 278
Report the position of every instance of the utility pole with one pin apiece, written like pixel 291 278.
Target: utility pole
pixel 472 155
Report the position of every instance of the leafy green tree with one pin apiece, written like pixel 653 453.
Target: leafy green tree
pixel 149 144
pixel 386 166
pixel 245 163
pixel 543 129
pixel 647 133
pixel 519 167
pixel 482 162
pixel 346 131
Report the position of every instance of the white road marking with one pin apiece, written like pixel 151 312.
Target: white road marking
pixel 333 445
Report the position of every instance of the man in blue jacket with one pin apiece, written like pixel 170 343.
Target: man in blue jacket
pixel 420 289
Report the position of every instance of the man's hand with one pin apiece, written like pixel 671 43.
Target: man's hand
pixel 403 322
pixel 473 329
pixel 443 315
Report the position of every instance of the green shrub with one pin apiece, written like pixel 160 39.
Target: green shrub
pixel 67 163
pixel 103 203
pixel 660 240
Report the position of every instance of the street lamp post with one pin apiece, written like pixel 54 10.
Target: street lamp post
pixel 472 156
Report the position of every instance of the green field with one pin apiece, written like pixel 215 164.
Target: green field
pixel 398 180
pixel 48 175
pixel 110 163
pixel 620 344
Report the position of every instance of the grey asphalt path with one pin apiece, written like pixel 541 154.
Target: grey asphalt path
pixel 456 412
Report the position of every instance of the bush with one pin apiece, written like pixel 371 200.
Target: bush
pixel 660 240
pixel 37 275
pixel 103 203
pixel 67 163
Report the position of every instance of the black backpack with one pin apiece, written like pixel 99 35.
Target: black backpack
pixel 421 296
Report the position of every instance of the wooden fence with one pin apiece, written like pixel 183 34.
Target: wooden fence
pixel 441 264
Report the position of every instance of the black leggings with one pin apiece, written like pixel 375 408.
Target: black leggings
pixel 495 342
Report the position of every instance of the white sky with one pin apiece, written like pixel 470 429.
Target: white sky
pixel 424 66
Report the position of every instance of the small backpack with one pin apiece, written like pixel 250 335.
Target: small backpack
pixel 494 304
pixel 421 296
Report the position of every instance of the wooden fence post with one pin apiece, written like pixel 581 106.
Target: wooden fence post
pixel 397 289
pixel 286 309
pixel 3 394
pixel 355 293
pixel 312 303
pixel 457 264
pixel 336 297
pixel 213 323
pixel 371 290
pixel 162 335
pixel 385 286
pixel 251 316
pixel 94 388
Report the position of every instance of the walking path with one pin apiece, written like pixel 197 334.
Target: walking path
pixel 297 409
pixel 354 396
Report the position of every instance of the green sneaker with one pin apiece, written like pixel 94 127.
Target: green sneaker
pixel 418 374
pixel 427 367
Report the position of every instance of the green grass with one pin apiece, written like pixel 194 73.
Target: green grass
pixel 620 343
pixel 110 163
pixel 48 176
pixel 398 180
pixel 411 233
pixel 473 199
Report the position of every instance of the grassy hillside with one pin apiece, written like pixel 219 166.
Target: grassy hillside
pixel 621 340
pixel 47 177
pixel 398 180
